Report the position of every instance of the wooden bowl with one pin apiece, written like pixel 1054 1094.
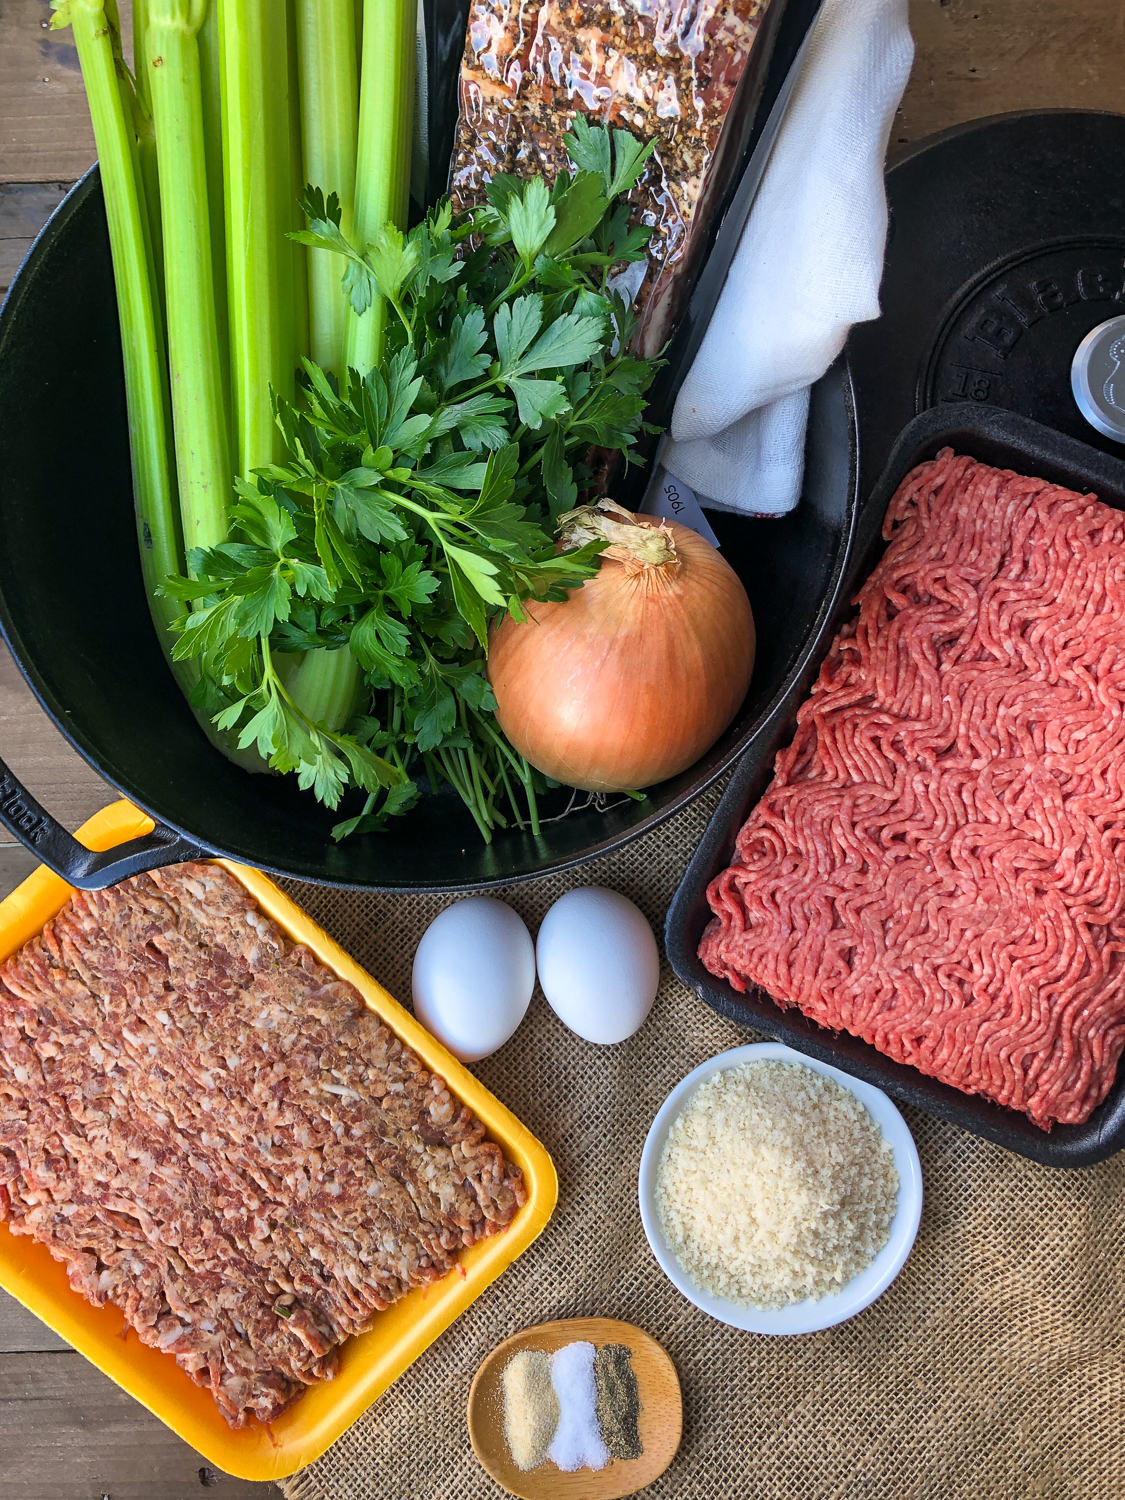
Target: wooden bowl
pixel 660 1424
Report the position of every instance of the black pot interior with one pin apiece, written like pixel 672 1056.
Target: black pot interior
pixel 73 609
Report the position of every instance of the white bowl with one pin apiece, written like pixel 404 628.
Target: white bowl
pixel 862 1290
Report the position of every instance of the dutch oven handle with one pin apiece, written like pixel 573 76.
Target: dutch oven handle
pixel 89 869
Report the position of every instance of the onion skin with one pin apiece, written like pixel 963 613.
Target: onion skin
pixel 634 677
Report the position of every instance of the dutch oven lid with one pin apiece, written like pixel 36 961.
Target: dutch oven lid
pixel 1006 250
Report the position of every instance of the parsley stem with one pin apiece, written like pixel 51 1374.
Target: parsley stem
pixel 504 752
pixel 403 319
pixel 396 731
pixel 532 803
pixel 478 771
pixel 516 284
pixel 468 776
pixel 369 804
pixel 454 775
pixel 273 683
pixel 435 784
pixel 508 789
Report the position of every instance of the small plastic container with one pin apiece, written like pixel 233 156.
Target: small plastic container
pixel 1097 378
pixel 369 1363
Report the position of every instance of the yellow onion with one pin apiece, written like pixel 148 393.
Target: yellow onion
pixel 638 673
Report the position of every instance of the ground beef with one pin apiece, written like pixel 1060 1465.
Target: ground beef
pixel 937 865
pixel 215 1134
pixel 667 69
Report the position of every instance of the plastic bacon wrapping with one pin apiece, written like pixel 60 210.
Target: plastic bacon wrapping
pixel 663 69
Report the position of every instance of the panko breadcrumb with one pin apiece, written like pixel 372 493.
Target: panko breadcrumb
pixel 775 1185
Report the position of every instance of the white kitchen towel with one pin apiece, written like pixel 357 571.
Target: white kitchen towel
pixel 808 266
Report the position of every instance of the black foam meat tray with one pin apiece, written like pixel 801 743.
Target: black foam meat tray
pixel 1005 440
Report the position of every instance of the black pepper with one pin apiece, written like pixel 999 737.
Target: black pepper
pixel 619 1404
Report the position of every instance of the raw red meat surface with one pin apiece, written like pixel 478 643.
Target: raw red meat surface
pixel 213 1132
pixel 937 864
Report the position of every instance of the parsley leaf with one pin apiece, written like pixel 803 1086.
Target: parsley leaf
pixel 629 157
pixel 514 328
pixel 461 359
pixel 538 400
pixel 590 150
pixel 530 219
pixel 569 340
pixel 578 212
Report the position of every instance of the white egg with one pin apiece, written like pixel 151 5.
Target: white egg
pixel 474 972
pixel 598 963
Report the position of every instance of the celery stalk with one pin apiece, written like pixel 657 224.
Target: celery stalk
pixel 146 150
pixel 386 123
pixel 256 156
pixel 326 52
pixel 326 684
pixel 201 424
pixel 211 74
pixel 140 17
pixel 295 218
pixel 108 90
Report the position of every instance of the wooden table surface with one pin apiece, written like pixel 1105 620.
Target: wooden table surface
pixel 66 1432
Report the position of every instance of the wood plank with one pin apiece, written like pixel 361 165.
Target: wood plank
pixel 987 57
pixel 40 756
pixel 21 1332
pixel 16 864
pixel 974 57
pixel 69 1433
pixel 45 131
pixel 24 208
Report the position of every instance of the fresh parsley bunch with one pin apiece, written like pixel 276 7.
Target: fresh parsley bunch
pixel 418 502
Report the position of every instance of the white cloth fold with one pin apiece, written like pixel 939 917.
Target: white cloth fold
pixel 808 266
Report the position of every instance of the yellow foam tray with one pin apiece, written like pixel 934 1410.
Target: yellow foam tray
pixel 369 1363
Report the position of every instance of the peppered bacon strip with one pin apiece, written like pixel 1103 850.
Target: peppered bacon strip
pixel 215 1134
pixel 937 866
pixel 667 69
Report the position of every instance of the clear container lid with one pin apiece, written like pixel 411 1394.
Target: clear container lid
pixel 1097 378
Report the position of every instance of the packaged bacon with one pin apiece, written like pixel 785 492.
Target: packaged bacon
pixel 664 69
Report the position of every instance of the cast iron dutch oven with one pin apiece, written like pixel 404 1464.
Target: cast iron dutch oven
pixel 73 611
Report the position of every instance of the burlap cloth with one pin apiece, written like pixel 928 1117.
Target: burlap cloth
pixel 992 1368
